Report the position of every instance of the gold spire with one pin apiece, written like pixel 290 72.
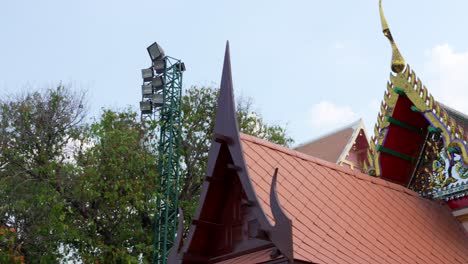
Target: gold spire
pixel 398 63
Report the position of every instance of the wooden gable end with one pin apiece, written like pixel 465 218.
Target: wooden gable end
pixel 229 220
pixel 354 154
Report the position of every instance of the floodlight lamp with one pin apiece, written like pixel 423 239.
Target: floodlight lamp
pixel 180 66
pixel 155 51
pixel 157 100
pixel 145 107
pixel 158 83
pixel 147 74
pixel 159 65
pixel 147 90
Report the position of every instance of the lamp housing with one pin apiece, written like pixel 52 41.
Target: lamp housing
pixel 180 66
pixel 146 107
pixel 158 83
pixel 157 100
pixel 159 65
pixel 147 74
pixel 147 90
pixel 155 51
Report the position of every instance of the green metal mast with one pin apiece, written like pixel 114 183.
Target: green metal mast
pixel 169 161
pixel 167 99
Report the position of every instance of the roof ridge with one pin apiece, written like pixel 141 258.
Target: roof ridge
pixel 354 125
pixel 451 109
pixel 356 174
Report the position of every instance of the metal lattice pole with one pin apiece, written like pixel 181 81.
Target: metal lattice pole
pixel 162 95
pixel 169 161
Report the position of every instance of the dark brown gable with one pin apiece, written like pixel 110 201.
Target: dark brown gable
pixel 229 220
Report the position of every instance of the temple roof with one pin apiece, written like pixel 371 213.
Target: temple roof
pixel 264 203
pixel 335 145
pixel 413 135
pixel 460 118
pixel 343 216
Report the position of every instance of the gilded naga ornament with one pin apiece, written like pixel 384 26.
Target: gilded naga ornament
pixel 398 62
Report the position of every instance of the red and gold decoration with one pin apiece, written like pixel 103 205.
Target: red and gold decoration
pixel 416 142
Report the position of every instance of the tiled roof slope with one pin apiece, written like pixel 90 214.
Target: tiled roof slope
pixel 459 117
pixel 343 216
pixel 330 146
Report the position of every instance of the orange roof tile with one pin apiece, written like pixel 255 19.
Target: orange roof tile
pixel 343 216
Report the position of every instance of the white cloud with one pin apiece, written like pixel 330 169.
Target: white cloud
pixel 339 45
pixel 326 115
pixel 449 71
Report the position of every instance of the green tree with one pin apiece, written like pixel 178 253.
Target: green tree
pixel 35 173
pixel 198 114
pixel 116 190
pixel 87 192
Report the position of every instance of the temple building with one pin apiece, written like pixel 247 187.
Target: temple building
pixel 346 146
pixel 399 199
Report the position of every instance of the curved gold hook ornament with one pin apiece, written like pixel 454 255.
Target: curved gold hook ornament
pixel 398 62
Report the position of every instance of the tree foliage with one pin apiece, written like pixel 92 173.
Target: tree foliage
pixel 86 192
pixel 35 177
pixel 116 191
pixel 72 190
pixel 9 251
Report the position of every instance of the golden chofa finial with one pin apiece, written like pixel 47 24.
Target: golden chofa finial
pixel 398 63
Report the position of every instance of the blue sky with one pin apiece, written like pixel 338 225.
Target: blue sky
pixel 313 65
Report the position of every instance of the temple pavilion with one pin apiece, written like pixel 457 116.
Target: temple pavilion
pixel 400 198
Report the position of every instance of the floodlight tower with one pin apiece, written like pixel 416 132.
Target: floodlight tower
pixel 161 97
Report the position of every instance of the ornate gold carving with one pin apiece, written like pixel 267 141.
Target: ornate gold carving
pixel 349 163
pixel 398 62
pixel 406 80
pixel 420 97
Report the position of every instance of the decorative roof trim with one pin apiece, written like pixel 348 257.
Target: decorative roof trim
pixel 406 83
pixel 357 128
pixel 282 230
pixel 398 62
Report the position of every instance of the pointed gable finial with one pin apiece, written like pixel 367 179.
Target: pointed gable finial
pixel 398 62
pixel 225 161
pixel 226 121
